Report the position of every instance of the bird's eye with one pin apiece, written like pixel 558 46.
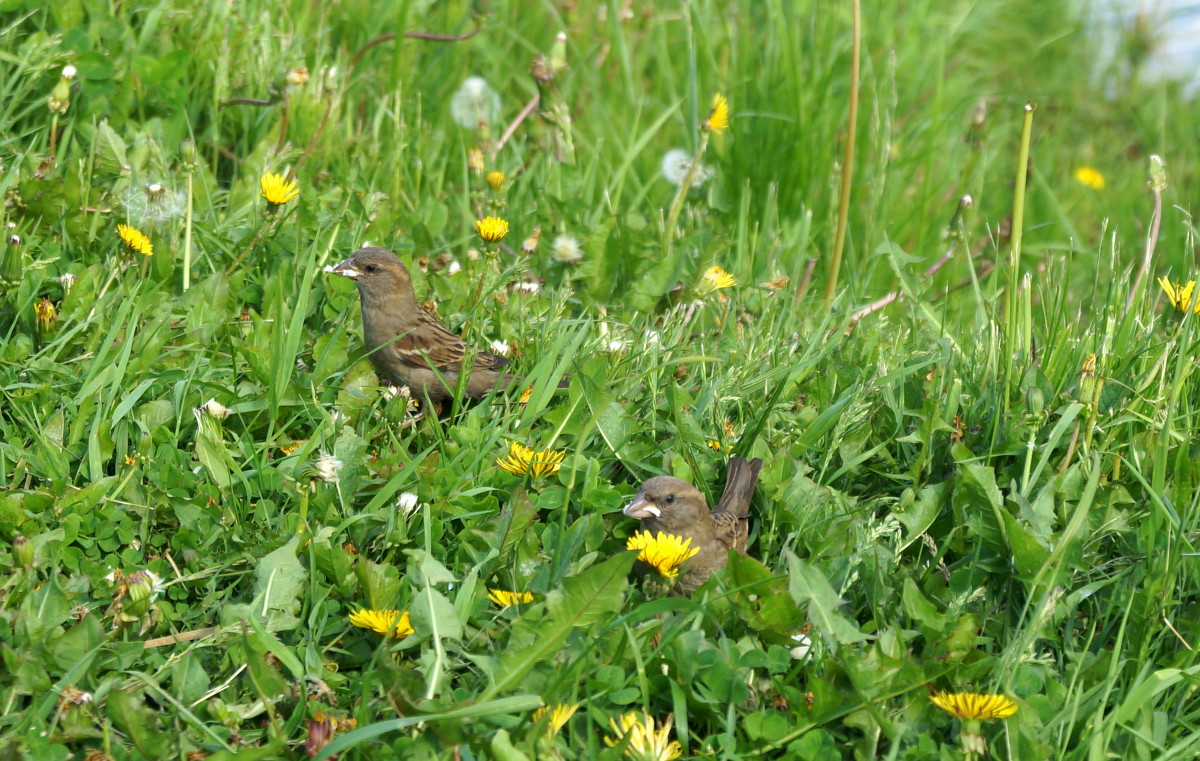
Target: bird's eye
pixel 372 268
pixel 669 498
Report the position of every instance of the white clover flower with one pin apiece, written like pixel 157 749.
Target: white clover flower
pixel 328 467
pixel 675 166
pixel 566 250
pixel 407 503
pixel 802 648
pixel 500 347
pixel 475 105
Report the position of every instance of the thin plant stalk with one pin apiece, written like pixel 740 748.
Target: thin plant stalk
pixel 677 204
pixel 187 237
pixel 1158 183
pixel 839 239
pixel 1014 262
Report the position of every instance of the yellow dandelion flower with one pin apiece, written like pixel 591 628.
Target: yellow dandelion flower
pixel 718 117
pixel 665 552
pixel 491 229
pixel 44 313
pixel 974 706
pixel 133 238
pixel 560 714
pixel 715 446
pixel 645 744
pixel 495 180
pixel 1090 176
pixel 523 461
pixel 392 623
pixel 130 460
pixel 1180 295
pixel 716 278
pixel 504 598
pixel 525 394
pixel 278 190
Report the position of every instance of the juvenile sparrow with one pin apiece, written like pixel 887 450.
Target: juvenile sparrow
pixel 674 506
pixel 407 345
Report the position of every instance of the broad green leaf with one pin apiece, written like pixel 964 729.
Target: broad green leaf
pixel 810 588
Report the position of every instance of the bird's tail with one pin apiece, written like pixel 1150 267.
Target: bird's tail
pixel 740 481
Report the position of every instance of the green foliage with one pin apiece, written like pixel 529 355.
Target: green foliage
pixel 965 487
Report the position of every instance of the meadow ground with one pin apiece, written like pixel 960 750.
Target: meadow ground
pixel 979 470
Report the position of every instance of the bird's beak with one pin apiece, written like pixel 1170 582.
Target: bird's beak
pixel 641 507
pixel 345 269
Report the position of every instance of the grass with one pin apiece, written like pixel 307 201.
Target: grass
pixel 983 483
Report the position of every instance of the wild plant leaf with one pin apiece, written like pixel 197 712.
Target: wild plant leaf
pixel 809 588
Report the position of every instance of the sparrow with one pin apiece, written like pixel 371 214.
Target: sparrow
pixel 674 506
pixel 407 345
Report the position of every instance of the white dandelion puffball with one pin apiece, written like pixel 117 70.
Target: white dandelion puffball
pixel 475 105
pixel 566 250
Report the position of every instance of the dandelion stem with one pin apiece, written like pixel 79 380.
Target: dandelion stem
pixel 684 185
pixel 839 239
pixel 1157 183
pixel 187 238
pixel 1011 371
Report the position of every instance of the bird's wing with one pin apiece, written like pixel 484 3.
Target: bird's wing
pixel 740 480
pixel 430 344
pixel 730 530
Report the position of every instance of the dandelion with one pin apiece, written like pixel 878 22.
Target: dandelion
pixel 407 503
pixel 475 105
pixel 491 229
pixel 1090 176
pixel 45 313
pixel 327 468
pixel 972 705
pixel 644 743
pixel 529 245
pixel 475 160
pixel 523 461
pixel 504 599
pixel 566 250
pixel 718 118
pixel 675 166
pixel 526 393
pixel 716 278
pixel 68 72
pixel 560 714
pixel 715 446
pixel 527 287
pixel 214 408
pixel 153 202
pixel 67 280
pixel 973 709
pixel 495 180
pixel 297 76
pixel 130 461
pixel 1180 295
pixel 391 623
pixel 135 241
pixel 278 190
pixel 665 552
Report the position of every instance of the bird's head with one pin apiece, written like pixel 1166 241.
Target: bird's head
pixel 668 502
pixel 378 273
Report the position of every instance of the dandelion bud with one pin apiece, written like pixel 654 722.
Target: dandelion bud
pixel 214 408
pixel 558 54
pixel 495 180
pixel 1158 174
pixel 1089 384
pixel 1035 400
pixel 60 98
pixel 44 313
pixel 23 552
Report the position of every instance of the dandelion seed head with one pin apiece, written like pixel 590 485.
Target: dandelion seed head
pixel 475 105
pixel 566 250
